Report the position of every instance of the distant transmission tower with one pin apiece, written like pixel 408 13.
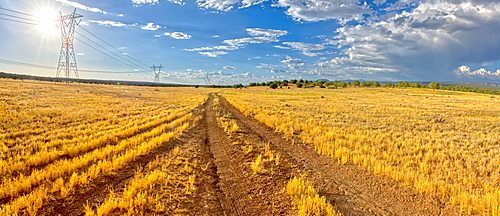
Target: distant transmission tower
pixel 207 78
pixel 157 72
pixel 67 58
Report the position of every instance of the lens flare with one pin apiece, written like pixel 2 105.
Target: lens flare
pixel 47 20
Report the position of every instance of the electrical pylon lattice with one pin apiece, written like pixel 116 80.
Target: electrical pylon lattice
pixel 157 72
pixel 67 58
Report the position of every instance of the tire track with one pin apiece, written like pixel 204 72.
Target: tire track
pixel 245 193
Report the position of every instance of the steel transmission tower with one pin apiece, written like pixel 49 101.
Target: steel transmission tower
pixel 157 72
pixel 67 58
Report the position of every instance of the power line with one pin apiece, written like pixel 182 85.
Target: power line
pixel 104 53
pixel 26 64
pixel 125 61
pixel 1 8
pixel 18 21
pixel 128 62
pixel 18 17
pixel 51 67
pixel 113 46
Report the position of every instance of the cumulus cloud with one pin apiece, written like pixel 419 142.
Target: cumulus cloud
pixel 293 63
pixel 151 26
pixel 426 43
pixel 178 35
pixel 266 32
pixel 318 10
pixel 248 3
pixel 111 23
pixel 215 54
pixel 220 5
pixel 290 60
pixel 229 67
pixel 81 6
pixel 465 71
pixel 301 10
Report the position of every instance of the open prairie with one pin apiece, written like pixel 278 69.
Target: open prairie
pixel 84 149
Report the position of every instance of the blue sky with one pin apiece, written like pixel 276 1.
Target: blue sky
pixel 242 41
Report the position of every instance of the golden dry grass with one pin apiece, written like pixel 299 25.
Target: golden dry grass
pixel 72 134
pixel 442 143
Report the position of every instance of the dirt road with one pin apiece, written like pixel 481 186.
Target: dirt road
pixel 227 185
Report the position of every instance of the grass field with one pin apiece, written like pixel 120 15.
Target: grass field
pixel 442 143
pixel 123 150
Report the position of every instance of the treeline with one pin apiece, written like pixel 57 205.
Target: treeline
pixel 89 81
pixel 401 84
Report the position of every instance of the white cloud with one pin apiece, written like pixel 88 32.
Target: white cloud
pixel 145 2
pixel 306 48
pixel 293 64
pixel 254 40
pixel 220 5
pixel 153 2
pixel 229 67
pixel 215 54
pixel 465 71
pixel 213 48
pixel 292 61
pixel 111 23
pixel 248 3
pixel 150 26
pixel 317 10
pixel 426 43
pixel 80 6
pixel 178 35
pixel 266 32
pixel 194 76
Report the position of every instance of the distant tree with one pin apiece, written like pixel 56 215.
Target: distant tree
pixel 389 85
pixel 434 85
pixel 238 86
pixel 356 83
pixel 253 84
pixel 365 84
pixel 273 85
pixel 415 85
pixel 375 84
pixel 322 86
pixel 403 84
pixel 263 84
pixel 299 85
pixel 301 81
pixel 196 86
pixel 294 81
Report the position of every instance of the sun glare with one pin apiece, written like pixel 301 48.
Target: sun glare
pixel 47 21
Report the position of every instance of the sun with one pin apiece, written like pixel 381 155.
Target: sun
pixel 47 20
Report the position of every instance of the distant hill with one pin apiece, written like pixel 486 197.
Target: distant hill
pixel 487 85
